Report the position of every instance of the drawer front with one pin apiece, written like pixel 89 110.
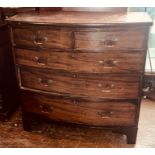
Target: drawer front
pixel 42 38
pixel 80 111
pixel 106 62
pixel 108 40
pixel 92 85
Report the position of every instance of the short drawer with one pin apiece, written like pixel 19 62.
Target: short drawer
pixel 92 62
pixel 80 111
pixel 110 39
pixel 92 85
pixel 42 38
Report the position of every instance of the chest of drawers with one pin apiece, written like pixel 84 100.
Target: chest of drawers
pixel 82 68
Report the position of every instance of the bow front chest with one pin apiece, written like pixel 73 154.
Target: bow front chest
pixel 81 67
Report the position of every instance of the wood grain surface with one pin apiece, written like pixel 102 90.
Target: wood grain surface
pixel 80 111
pixel 92 85
pixel 112 40
pixel 34 37
pixel 92 62
pixel 98 56
pixel 82 18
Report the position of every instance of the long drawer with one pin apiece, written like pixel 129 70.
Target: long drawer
pixel 80 111
pixel 111 39
pixel 93 85
pixel 36 37
pixel 92 62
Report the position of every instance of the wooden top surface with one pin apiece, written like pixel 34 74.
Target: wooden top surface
pixel 82 18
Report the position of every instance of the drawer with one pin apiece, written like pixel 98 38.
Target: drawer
pixel 105 62
pixel 92 85
pixel 111 39
pixel 42 38
pixel 80 111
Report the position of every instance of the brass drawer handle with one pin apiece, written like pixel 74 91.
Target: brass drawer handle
pixel 45 82
pixel 40 60
pixel 46 108
pixel 38 43
pixel 100 85
pixel 74 55
pixel 114 62
pixel 105 114
pixel 101 61
pixel 75 102
pixel 108 63
pixel 39 39
pixel 106 85
pixel 105 91
pixel 110 41
pixel 105 88
pixel 74 75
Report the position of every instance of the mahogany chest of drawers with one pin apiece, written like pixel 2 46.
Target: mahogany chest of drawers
pixel 83 68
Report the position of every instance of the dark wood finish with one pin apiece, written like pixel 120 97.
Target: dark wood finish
pixel 49 9
pixel 26 117
pixel 68 18
pixel 9 93
pixel 40 38
pixel 92 85
pixel 80 67
pixel 110 39
pixel 103 113
pixel 131 133
pixel 10 11
pixel 94 62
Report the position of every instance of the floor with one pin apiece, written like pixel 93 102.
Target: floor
pixel 54 135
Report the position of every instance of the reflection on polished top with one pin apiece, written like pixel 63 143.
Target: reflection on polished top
pixel 83 18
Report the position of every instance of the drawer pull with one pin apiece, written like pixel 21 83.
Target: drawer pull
pixel 74 75
pixel 45 82
pixel 74 55
pixel 108 63
pixel 110 42
pixel 101 62
pixel 105 91
pixel 107 86
pixel 40 60
pixel 37 43
pixel 114 62
pixel 75 102
pixel 99 85
pixel 46 108
pixel 105 114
